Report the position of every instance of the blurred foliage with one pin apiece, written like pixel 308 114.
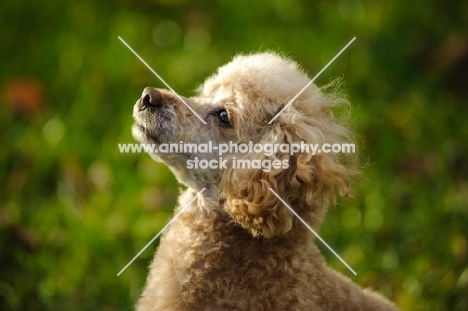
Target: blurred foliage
pixel 74 211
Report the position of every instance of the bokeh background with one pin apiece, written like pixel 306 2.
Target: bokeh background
pixel 74 211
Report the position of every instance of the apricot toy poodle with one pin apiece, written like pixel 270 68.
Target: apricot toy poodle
pixel 237 246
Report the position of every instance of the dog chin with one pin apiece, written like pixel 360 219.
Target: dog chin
pixel 141 134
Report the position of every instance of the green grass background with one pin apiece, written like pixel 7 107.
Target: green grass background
pixel 74 211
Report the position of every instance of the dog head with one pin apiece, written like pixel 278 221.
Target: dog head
pixel 237 104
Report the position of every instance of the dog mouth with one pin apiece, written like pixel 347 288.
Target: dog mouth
pixel 152 124
pixel 142 134
pixel 140 128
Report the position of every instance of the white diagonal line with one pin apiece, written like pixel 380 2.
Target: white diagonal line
pixel 313 231
pixel 160 232
pixel 311 81
pixel 162 80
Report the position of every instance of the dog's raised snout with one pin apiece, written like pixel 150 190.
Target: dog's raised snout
pixel 150 98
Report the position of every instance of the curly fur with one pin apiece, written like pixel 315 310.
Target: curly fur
pixel 237 247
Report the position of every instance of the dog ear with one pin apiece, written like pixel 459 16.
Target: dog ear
pixel 308 182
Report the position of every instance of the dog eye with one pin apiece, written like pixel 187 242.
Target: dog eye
pixel 223 118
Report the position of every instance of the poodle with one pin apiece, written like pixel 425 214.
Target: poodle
pixel 235 245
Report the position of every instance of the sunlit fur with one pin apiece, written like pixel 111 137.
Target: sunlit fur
pixel 237 247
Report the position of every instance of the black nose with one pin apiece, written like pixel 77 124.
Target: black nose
pixel 150 98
